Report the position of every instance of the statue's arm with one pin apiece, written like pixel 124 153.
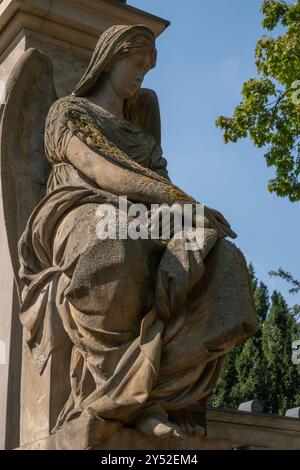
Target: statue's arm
pixel 113 178
pixel 120 181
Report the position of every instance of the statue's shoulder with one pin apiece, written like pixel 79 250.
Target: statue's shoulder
pixel 66 104
pixel 65 109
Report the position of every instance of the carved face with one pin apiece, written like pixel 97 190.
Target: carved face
pixel 127 74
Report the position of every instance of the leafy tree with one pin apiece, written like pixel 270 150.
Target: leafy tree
pixel 226 394
pixel 253 278
pixel 262 367
pixel 250 372
pixel 251 362
pixel 295 289
pixel 243 376
pixel 287 277
pixel 270 109
pixel 283 379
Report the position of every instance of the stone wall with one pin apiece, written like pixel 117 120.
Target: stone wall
pixel 253 431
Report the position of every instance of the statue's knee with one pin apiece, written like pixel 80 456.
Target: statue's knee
pixel 228 257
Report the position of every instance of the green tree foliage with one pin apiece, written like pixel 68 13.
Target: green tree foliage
pixel 287 277
pixel 283 380
pixel 226 394
pixel 295 289
pixel 262 367
pixel 243 375
pixel 270 109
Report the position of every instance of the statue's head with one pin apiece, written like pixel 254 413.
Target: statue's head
pixel 123 56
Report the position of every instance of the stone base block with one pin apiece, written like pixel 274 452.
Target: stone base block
pixel 96 434
pixel 131 440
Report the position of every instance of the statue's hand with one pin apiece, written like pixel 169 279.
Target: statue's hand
pixel 213 219
pixel 219 222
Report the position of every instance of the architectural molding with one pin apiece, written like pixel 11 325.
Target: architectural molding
pixel 80 21
pixel 253 430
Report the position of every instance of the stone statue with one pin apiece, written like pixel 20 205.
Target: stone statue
pixel 150 322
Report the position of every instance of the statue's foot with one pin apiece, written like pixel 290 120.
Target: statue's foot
pixel 193 430
pixel 188 422
pixel 159 427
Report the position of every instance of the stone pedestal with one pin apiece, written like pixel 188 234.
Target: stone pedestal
pixel 95 434
pixel 226 430
pixel 131 440
pixel 67 31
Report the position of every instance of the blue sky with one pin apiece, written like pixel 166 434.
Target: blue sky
pixel 203 59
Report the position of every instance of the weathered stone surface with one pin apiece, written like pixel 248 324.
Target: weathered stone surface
pixel 91 433
pixel 252 406
pixel 127 310
pixel 150 320
pixel 256 431
pixel 293 413
pixel 130 439
pixel 227 429
pixel 67 33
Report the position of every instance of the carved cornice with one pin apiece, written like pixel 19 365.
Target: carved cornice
pixel 78 22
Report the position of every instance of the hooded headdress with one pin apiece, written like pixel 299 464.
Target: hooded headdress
pixel 112 45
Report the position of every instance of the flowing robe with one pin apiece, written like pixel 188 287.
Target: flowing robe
pixel 106 294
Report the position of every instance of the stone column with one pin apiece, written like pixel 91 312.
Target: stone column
pixel 67 31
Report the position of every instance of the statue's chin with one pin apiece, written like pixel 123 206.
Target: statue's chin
pixel 130 93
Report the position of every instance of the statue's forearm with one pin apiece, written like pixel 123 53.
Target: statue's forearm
pixel 113 178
